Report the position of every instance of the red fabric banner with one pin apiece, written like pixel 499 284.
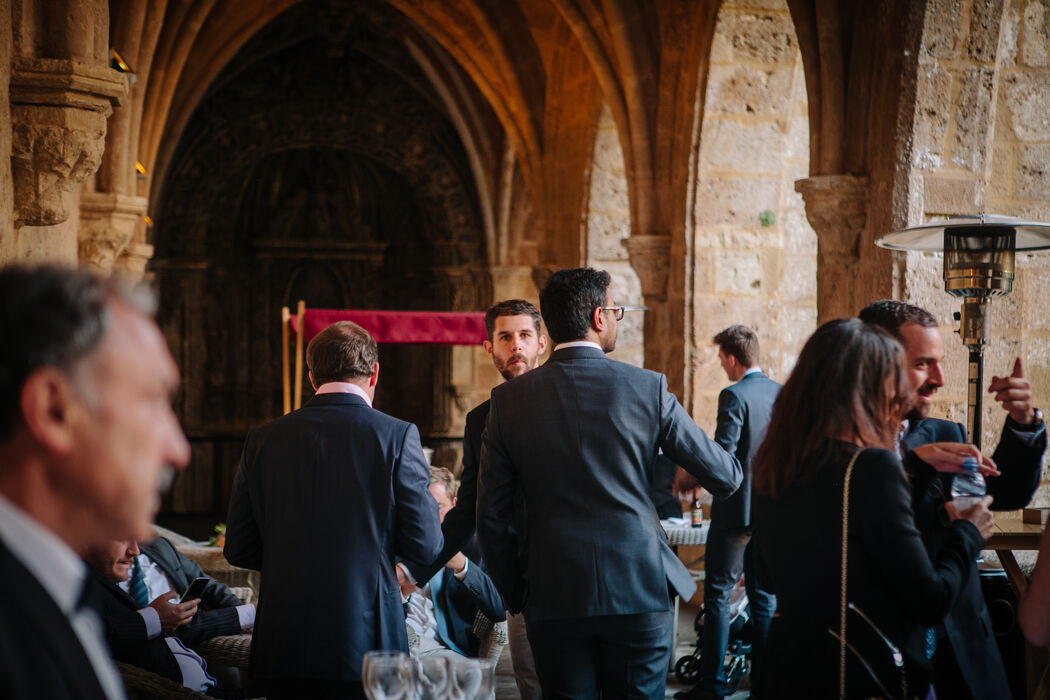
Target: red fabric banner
pixel 432 327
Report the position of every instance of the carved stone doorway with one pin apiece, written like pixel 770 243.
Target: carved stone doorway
pixel 319 167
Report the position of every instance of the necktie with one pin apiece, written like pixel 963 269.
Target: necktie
pixel 137 585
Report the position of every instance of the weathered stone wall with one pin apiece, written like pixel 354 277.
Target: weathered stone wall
pixel 754 252
pixel 982 144
pixel 608 224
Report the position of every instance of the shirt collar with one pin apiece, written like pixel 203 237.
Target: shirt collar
pixel 753 370
pixel 50 560
pixel 578 344
pixel 343 388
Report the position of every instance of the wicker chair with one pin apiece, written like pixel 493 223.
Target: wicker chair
pixel 146 685
pixel 491 635
pixel 227 650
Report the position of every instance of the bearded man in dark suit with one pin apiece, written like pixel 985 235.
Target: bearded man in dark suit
pixel 577 439
pixel 965 658
pixel 326 499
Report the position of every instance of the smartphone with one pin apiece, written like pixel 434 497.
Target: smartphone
pixel 196 589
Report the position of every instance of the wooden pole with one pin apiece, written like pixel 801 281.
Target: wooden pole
pixel 286 388
pixel 299 312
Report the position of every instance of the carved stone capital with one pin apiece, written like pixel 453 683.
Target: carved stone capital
pixel 58 127
pixel 651 260
pixel 837 209
pixel 542 273
pixel 133 259
pixel 107 224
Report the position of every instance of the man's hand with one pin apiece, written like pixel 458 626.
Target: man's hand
pixel 978 514
pixel 1015 394
pixel 457 563
pixel 403 582
pixel 684 483
pixel 949 456
pixel 174 615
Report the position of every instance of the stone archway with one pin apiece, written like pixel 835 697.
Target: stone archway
pixel 754 255
pixel 315 167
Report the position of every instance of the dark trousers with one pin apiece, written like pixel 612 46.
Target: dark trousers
pixel 611 656
pixel 728 553
pixel 295 688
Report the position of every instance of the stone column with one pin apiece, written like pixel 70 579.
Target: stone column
pixel 513 282
pixel 651 259
pixel 837 209
pixel 107 224
pixel 59 109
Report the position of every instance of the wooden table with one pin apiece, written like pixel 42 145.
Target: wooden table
pixel 1012 534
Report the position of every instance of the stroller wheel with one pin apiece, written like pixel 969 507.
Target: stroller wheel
pixel 735 672
pixel 687 669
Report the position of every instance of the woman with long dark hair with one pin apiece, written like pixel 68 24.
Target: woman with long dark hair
pixel 840 413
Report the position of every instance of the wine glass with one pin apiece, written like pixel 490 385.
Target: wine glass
pixel 388 675
pixel 433 674
pixel 472 679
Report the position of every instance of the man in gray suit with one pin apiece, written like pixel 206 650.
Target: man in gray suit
pixel 743 415
pixel 577 439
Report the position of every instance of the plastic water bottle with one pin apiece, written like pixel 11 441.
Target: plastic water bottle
pixel 968 486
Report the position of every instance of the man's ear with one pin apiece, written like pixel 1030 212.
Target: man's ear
pixel 312 382
pixel 598 321
pixel 375 375
pixel 50 408
pixel 542 344
pixel 488 347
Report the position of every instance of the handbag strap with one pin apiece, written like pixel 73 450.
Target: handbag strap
pixel 842 584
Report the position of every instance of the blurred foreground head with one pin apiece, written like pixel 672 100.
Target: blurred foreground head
pixel 86 423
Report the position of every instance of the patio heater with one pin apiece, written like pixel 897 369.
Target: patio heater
pixel 978 266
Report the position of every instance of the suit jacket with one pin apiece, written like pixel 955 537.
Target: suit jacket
pixel 891 578
pixel 578 437
pixel 217 614
pixel 458 525
pixel 743 416
pixel 968 625
pixel 126 631
pixel 457 602
pixel 325 500
pixel 40 654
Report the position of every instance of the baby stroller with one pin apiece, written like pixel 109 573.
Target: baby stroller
pixel 737 661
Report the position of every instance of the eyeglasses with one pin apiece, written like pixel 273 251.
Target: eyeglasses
pixel 618 311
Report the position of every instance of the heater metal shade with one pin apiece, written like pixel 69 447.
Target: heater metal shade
pixel 929 238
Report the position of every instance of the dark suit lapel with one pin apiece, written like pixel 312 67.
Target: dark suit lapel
pixel 51 626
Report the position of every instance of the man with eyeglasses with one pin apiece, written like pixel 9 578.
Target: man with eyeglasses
pixel 576 441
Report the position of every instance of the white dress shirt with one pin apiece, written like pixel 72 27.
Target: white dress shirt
pixel 62 574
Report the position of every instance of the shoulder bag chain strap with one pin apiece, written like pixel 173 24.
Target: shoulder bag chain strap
pixel 842 586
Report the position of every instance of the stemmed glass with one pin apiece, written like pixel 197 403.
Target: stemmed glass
pixel 472 679
pixel 434 676
pixel 388 675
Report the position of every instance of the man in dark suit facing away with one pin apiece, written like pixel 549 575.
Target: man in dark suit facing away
pixel 326 499
pixel 86 432
pixel 966 659
pixel 578 438
pixel 744 409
